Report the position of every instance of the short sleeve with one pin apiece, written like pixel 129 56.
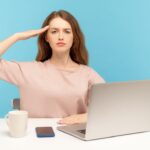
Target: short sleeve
pixel 94 77
pixel 11 71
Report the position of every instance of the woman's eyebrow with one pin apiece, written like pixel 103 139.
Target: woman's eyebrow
pixel 59 28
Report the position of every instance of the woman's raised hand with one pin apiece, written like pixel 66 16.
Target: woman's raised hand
pixel 31 33
pixel 5 44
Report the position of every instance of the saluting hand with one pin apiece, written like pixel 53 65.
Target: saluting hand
pixel 31 33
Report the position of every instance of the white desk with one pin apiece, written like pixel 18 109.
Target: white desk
pixel 62 141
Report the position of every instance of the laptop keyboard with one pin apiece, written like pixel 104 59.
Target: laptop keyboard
pixel 82 131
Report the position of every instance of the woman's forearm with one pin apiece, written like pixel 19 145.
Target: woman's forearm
pixel 5 44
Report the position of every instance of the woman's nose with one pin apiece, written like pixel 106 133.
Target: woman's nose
pixel 60 36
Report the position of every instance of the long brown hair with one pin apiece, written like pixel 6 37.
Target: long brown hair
pixel 78 51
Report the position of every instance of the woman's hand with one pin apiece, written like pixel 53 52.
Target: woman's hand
pixel 74 119
pixel 31 33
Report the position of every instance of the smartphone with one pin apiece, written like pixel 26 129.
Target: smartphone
pixel 44 131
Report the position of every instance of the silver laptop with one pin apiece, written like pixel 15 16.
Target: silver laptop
pixel 115 109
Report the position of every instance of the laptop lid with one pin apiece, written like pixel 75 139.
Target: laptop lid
pixel 118 109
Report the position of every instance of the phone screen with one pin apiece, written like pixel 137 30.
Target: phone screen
pixel 44 132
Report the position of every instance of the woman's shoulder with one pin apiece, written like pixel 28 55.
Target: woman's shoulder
pixel 92 74
pixel 29 63
pixel 9 62
pixel 87 69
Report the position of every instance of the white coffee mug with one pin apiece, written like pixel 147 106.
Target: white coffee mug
pixel 17 122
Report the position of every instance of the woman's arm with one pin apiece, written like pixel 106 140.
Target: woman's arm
pixel 5 44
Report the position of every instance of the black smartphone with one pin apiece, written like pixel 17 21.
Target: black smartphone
pixel 44 131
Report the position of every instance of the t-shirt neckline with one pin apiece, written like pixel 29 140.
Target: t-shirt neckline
pixel 64 70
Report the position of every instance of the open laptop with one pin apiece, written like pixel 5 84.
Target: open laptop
pixel 115 109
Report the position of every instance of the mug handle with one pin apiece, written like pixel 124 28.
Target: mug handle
pixel 7 119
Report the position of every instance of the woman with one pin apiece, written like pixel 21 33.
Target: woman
pixel 57 83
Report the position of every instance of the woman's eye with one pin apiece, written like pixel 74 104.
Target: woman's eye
pixel 67 31
pixel 53 32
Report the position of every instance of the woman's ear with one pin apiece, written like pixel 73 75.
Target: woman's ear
pixel 46 38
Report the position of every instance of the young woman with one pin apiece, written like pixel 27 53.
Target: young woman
pixel 58 82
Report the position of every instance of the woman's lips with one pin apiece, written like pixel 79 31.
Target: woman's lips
pixel 60 44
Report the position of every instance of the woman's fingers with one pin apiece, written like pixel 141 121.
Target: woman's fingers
pixel 32 33
pixel 67 120
pixel 39 31
pixel 73 119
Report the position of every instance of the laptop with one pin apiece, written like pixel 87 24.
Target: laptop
pixel 114 109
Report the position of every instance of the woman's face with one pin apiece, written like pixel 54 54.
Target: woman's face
pixel 60 36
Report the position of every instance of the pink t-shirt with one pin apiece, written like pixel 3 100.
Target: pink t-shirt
pixel 46 91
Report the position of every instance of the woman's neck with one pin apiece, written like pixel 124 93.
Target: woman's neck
pixel 63 61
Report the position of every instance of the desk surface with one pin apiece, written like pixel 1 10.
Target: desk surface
pixel 65 141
